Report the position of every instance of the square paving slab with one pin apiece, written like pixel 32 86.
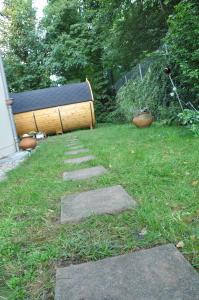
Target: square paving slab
pixel 73 152
pixel 84 173
pixel 101 201
pixel 160 273
pixel 79 160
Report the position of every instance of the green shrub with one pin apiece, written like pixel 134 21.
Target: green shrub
pixel 190 118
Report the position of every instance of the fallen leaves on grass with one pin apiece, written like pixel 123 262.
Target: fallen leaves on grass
pixel 195 182
pixel 180 244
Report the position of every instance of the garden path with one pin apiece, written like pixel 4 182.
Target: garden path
pixel 159 273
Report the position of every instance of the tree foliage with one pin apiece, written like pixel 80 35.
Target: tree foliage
pixel 99 40
pixel 23 48
pixel 183 45
pixel 75 47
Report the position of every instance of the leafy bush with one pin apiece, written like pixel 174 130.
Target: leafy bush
pixel 190 118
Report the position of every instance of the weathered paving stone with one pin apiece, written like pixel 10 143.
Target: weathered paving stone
pixel 73 152
pixel 84 173
pixel 76 147
pixel 160 273
pixel 2 175
pixel 72 140
pixel 79 160
pixel 72 144
pixel 101 201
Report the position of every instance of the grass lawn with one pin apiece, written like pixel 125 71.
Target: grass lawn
pixel 158 166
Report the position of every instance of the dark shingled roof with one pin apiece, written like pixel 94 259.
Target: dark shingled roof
pixel 51 97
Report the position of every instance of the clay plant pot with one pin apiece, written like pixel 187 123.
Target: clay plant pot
pixel 143 120
pixel 27 142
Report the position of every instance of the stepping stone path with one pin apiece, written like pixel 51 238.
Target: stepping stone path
pixel 101 201
pixel 79 160
pixel 74 152
pixel 84 173
pixel 160 273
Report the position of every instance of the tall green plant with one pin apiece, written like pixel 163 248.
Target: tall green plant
pixel 152 93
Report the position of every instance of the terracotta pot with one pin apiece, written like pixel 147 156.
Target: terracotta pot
pixel 27 142
pixel 145 119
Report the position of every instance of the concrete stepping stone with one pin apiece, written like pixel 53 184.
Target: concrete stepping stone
pixel 160 273
pixel 76 147
pixel 73 152
pixel 72 140
pixel 84 173
pixel 72 144
pixel 79 160
pixel 101 201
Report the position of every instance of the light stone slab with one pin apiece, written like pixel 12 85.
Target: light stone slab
pixel 75 147
pixel 84 173
pixel 160 273
pixel 72 140
pixel 74 152
pixel 79 160
pixel 12 161
pixel 72 144
pixel 109 200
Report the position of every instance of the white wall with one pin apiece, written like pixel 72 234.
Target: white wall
pixel 7 142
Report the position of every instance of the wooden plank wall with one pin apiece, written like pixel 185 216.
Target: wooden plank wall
pixel 25 122
pixel 56 119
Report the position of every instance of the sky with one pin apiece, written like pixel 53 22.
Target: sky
pixel 38 4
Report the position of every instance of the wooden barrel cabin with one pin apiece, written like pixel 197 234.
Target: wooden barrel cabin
pixel 54 110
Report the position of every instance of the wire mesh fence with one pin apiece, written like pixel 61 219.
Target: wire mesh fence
pixel 138 72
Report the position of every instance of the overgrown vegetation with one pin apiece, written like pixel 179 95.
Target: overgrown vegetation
pixel 190 118
pixel 152 93
pixel 156 166
pixel 23 47
pixel 76 39
pixel 183 44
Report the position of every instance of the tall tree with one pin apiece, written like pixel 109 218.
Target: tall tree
pixel 183 44
pixel 75 48
pixel 23 49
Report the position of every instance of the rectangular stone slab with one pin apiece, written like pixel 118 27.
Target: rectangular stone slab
pixel 84 173
pixel 101 201
pixel 76 147
pixel 72 142
pixel 160 273
pixel 74 152
pixel 79 160
pixel 72 145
